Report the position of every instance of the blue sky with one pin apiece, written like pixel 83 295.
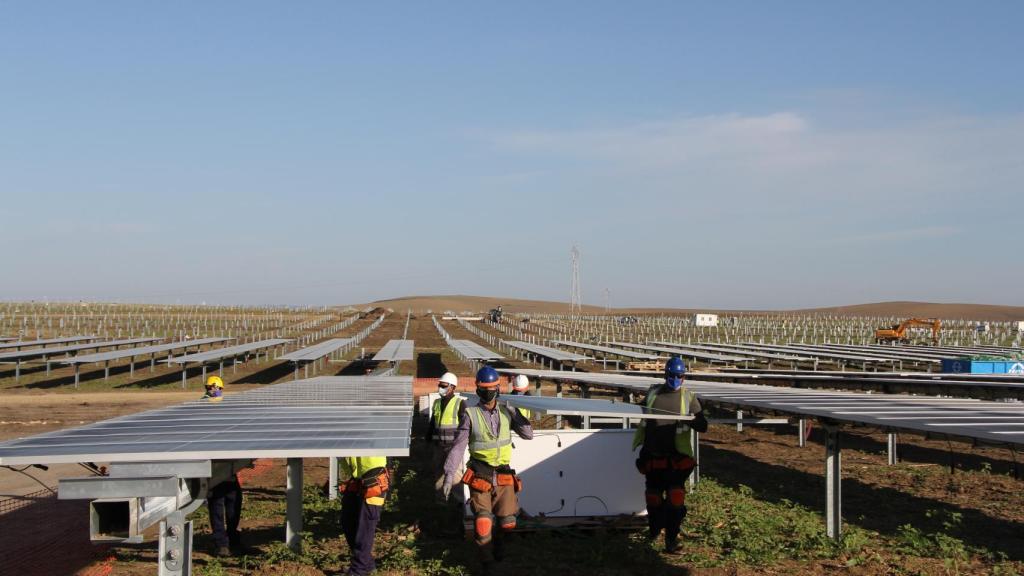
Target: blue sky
pixel 729 155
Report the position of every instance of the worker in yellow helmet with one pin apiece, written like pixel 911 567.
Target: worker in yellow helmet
pixel 224 501
pixel 214 389
pixel 364 484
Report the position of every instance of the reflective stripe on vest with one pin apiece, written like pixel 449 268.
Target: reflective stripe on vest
pixel 483 445
pixel 682 438
pixel 446 423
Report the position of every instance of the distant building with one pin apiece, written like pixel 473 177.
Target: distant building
pixel 710 320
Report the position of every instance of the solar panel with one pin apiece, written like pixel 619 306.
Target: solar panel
pixel 317 351
pixel 117 354
pixel 472 351
pixel 319 417
pixel 227 352
pixel 552 353
pixel 709 348
pixel 395 351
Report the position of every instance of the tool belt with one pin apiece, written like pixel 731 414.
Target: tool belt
pixel 478 475
pixel 374 483
pixel 654 463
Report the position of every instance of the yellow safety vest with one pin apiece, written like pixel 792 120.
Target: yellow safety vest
pixel 447 422
pixel 682 439
pixel 483 445
pixel 355 467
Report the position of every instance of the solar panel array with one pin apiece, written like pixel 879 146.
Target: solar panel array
pixel 589 407
pixel 118 354
pixel 552 353
pixel 23 343
pixel 49 352
pixel 317 351
pixel 320 417
pixel 227 352
pixel 472 351
pixel 606 350
pixel 686 353
pixel 1001 422
pixel 395 351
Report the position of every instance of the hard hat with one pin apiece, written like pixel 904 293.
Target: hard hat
pixel 520 383
pixel 450 379
pixel 487 377
pixel 215 381
pixel 675 366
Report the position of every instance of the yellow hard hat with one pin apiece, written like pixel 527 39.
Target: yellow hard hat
pixel 215 381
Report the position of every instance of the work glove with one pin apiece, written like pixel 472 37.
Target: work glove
pixel 446 489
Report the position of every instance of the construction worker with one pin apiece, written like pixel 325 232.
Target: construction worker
pixel 487 430
pixel 444 420
pixel 224 501
pixel 666 454
pixel 364 484
pixel 521 387
pixel 214 389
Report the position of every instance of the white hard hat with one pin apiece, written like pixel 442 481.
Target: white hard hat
pixel 450 379
pixel 520 383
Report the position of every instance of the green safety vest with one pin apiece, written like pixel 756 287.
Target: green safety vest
pixel 483 445
pixel 682 439
pixel 447 422
pixel 356 467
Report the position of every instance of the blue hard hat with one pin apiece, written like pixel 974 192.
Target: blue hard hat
pixel 675 366
pixel 487 375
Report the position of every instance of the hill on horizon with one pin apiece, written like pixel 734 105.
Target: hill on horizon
pixel 467 303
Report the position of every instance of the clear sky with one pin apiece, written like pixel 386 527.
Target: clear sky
pixel 723 154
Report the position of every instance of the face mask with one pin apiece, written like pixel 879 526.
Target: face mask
pixel 443 391
pixel 486 394
pixel 673 382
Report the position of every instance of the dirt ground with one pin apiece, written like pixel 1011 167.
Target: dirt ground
pixel 476 304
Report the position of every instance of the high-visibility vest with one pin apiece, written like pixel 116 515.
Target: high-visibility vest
pixel 526 412
pixel 483 445
pixel 356 467
pixel 446 422
pixel 682 438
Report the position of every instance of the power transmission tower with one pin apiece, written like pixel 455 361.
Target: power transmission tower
pixel 575 292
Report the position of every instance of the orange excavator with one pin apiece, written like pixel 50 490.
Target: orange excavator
pixel 898 333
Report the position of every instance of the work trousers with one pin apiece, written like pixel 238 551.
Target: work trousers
pixel 225 504
pixel 451 513
pixel 494 512
pixel 665 493
pixel 359 523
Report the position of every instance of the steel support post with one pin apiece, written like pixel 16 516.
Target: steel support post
pixel 106 370
pixel 77 367
pixel 152 361
pixel 184 374
pixel 296 374
pixel 17 369
pixel 893 450
pixel 833 483
pixel 305 370
pixel 131 366
pixel 739 420
pixel 333 475
pixel 802 433
pixel 175 549
pixel 558 393
pixel 204 374
pixel 293 495
pixel 220 371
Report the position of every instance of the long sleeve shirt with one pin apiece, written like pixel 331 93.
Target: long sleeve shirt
pixel 521 426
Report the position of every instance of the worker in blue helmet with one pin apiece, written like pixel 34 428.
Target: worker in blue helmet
pixel 486 429
pixel 666 454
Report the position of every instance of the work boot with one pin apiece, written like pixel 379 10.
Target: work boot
pixel 672 547
pixel 220 552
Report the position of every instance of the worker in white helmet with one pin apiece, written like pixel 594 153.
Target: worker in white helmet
pixel 445 413
pixel 521 387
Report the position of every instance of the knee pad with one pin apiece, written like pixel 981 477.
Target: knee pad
pixel 483 526
pixel 653 499
pixel 677 497
pixel 508 522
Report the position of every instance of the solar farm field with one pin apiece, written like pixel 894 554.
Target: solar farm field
pixel 914 500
